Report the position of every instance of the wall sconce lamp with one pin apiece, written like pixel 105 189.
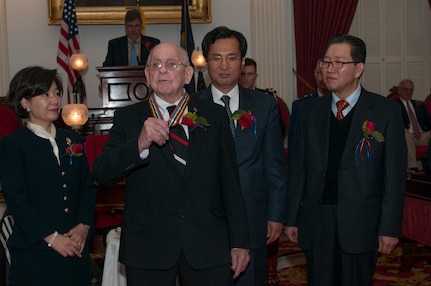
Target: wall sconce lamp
pixel 79 62
pixel 75 115
pixel 200 63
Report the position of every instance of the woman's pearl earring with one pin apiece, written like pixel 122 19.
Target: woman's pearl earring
pixel 28 109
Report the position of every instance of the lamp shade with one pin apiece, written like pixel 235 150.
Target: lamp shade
pixel 198 59
pixel 75 115
pixel 78 62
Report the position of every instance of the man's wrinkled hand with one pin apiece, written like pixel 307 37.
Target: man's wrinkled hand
pixel 154 130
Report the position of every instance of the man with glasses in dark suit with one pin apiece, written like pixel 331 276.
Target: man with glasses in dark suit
pixel 255 126
pixel 184 214
pixel 347 172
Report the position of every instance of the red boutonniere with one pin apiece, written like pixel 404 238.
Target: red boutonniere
pixel 73 149
pixel 364 145
pixel 244 118
pixel 192 120
pixel 148 44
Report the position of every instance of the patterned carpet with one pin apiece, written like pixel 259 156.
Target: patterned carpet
pixel 387 272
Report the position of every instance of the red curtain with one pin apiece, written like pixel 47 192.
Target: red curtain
pixel 316 21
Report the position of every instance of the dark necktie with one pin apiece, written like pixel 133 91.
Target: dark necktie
pixel 414 122
pixel 178 143
pixel 133 56
pixel 341 105
pixel 226 99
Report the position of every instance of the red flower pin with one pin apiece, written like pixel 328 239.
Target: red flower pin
pixel 245 118
pixel 73 150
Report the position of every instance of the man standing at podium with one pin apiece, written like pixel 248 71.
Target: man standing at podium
pixel 132 49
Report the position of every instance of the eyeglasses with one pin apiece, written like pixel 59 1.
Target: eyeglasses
pixel 216 60
pixel 171 65
pixel 334 64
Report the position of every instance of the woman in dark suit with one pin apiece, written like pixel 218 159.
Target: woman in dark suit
pixel 47 186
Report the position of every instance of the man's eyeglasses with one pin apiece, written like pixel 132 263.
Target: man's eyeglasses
pixel 334 64
pixel 216 60
pixel 172 65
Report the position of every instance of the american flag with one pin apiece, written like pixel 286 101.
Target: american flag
pixel 68 44
pixel 187 42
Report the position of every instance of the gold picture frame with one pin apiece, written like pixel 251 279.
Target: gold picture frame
pixel 199 10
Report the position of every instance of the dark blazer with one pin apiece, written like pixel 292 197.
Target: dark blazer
pixel 118 51
pixel 370 193
pixel 295 109
pixel 44 197
pixel 261 162
pixel 201 213
pixel 422 115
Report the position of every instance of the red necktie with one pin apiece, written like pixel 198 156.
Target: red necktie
pixel 341 105
pixel 414 122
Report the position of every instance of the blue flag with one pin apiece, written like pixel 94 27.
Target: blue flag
pixel 187 42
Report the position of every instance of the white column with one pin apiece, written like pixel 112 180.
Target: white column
pixel 272 45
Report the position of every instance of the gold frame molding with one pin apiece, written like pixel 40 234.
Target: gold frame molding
pixel 199 10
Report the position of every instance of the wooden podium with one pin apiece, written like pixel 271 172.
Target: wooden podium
pixel 123 85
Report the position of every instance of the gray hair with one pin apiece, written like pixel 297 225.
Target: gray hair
pixel 406 80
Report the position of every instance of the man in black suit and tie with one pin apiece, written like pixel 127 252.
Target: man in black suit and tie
pixel 133 48
pixel 184 214
pixel 258 142
pixel 347 173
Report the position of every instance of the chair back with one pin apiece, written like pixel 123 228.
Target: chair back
pixel 94 147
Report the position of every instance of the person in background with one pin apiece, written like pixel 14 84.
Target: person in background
pixel 248 80
pixel 249 74
pixel 133 48
pixel 347 193
pixel 321 90
pixel 417 122
pixel 184 214
pixel 254 122
pixel 47 186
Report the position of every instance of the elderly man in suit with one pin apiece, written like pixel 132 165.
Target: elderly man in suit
pixel 133 48
pixel 259 146
pixel 346 199
pixel 184 214
pixel 417 122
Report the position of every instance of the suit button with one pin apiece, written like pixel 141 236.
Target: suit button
pixel 63 173
pixel 66 210
pixel 182 216
pixel 64 186
pixel 65 198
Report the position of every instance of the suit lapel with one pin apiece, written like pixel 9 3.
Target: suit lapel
pixel 246 103
pixel 125 51
pixel 322 121
pixel 195 139
pixel 363 111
